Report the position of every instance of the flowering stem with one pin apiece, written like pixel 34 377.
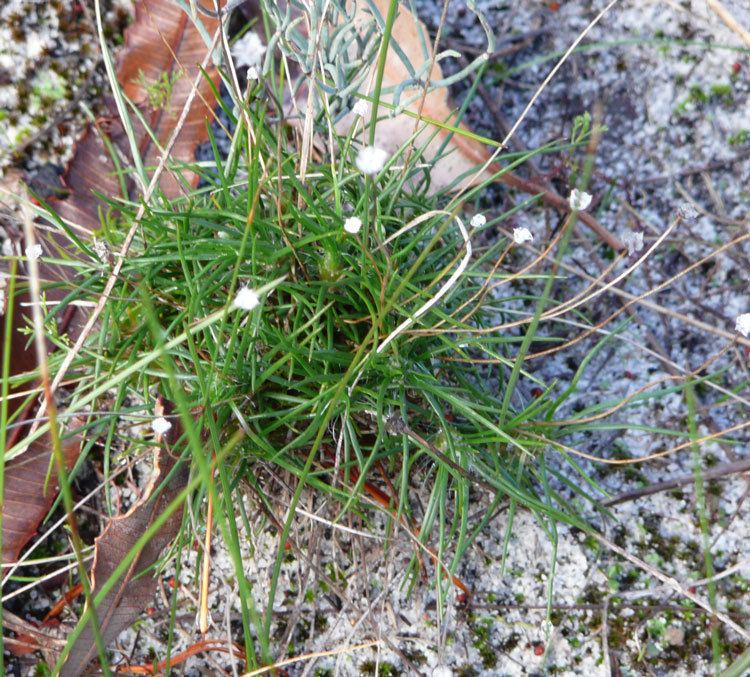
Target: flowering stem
pixel 389 20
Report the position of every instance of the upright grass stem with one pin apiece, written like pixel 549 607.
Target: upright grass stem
pixel 10 293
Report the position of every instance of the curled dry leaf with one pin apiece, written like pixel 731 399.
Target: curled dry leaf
pixel 135 590
pixel 392 131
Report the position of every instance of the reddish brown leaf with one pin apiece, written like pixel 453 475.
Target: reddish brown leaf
pixel 135 589
pixel 162 42
pixel 30 490
pixel 26 501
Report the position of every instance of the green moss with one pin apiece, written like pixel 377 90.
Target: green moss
pixel 740 138
pixel 510 643
pixel 383 669
pixel 415 657
pixel 723 92
pixel 482 630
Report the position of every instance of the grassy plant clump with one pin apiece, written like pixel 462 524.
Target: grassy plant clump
pixel 359 360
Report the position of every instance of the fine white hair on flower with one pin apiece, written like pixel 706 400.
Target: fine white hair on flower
pixel 252 73
pixel 246 299
pixel 442 671
pixel 33 253
pixel 371 159
pixel 478 220
pixel 248 50
pixel 521 235
pixel 361 108
pixel 352 225
pixel 579 200
pixel 160 425
pixel 687 211
pixel 101 250
pixel 633 241
pixel 742 325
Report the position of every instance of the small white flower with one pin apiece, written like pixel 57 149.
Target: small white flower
pixel 101 250
pixel 370 160
pixel 687 211
pixel 34 46
pixel 478 220
pixel 252 74
pixel 246 299
pixel 521 235
pixel 579 200
pixel 248 50
pixel 160 425
pixel 442 671
pixel 633 241
pixel 352 225
pixel 361 108
pixel 742 324
pixel 33 253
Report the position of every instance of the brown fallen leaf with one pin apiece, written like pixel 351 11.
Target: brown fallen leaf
pixel 463 154
pixel 28 493
pixel 30 480
pixel 156 69
pixel 135 589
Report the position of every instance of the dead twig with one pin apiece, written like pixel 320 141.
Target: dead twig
pixel 717 472
pixel 731 23
pixel 672 583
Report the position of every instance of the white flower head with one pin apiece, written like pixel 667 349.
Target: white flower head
pixel 34 46
pixel 33 253
pixel 361 108
pixel 352 225
pixel 742 324
pixel 248 50
pixel 478 220
pixel 371 159
pixel 442 671
pixel 252 74
pixel 633 241
pixel 246 299
pixel 521 235
pixel 579 200
pixel 687 211
pixel 101 250
pixel 160 425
